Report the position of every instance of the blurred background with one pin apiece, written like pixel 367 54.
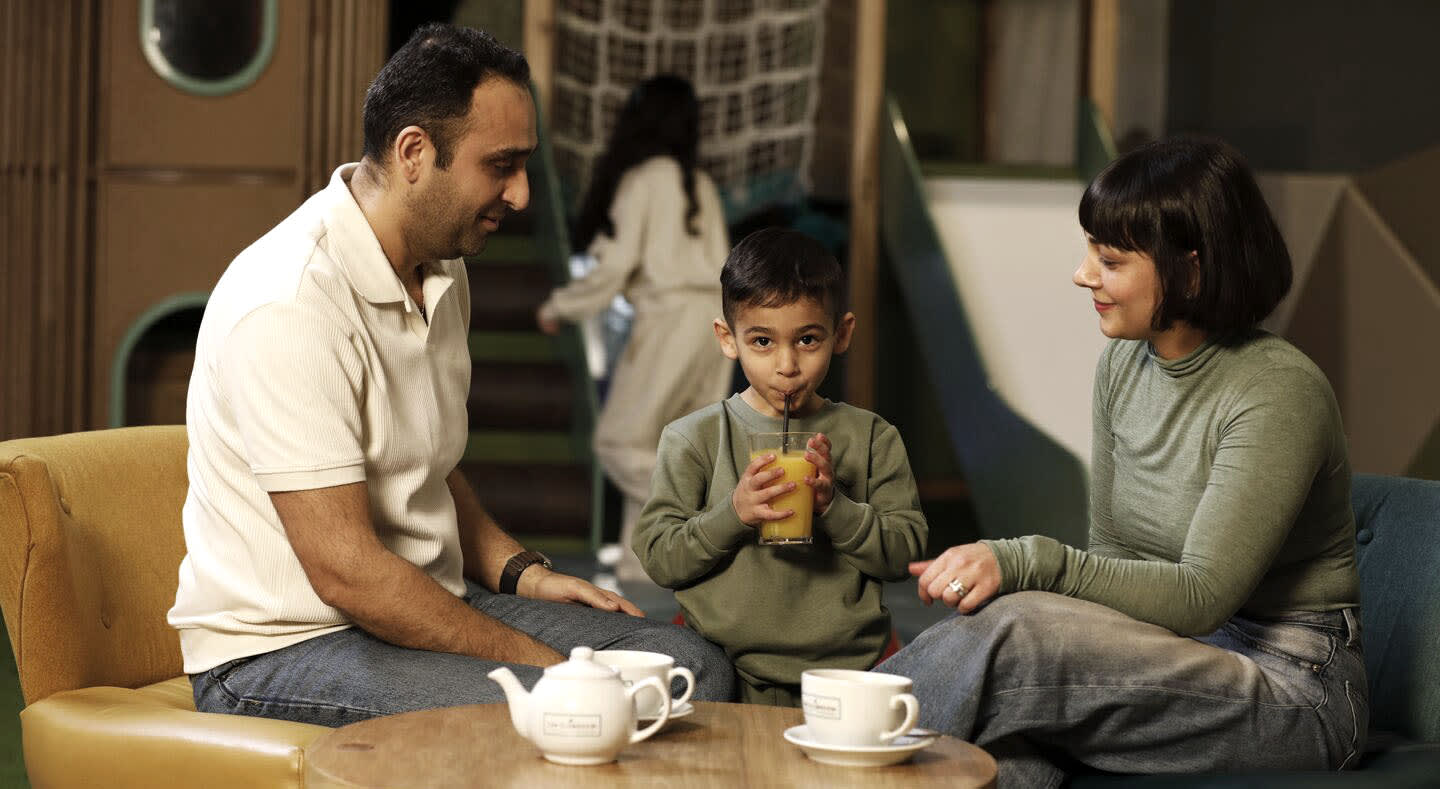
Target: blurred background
pixel 939 147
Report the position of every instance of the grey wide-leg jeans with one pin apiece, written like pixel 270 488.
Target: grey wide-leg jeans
pixel 1047 682
pixel 349 675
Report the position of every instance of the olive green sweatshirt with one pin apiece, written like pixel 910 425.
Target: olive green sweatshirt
pixel 778 610
pixel 1220 485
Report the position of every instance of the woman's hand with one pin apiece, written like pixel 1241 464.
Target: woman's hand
pixel 973 565
pixel 546 323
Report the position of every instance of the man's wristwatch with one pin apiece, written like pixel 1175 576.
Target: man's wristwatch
pixel 510 577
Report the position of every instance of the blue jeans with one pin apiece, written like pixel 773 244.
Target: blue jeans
pixel 1050 684
pixel 350 675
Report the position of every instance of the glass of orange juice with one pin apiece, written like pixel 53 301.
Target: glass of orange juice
pixel 789 450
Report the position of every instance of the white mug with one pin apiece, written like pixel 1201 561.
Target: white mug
pixel 635 666
pixel 857 708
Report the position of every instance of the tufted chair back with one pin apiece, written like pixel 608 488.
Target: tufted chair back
pixel 90 547
pixel 1397 536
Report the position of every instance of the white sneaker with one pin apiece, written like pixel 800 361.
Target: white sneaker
pixel 609 554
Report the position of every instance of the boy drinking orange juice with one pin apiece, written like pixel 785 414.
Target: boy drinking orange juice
pixel 780 609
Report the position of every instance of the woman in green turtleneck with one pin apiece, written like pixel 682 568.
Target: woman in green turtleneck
pixel 1212 624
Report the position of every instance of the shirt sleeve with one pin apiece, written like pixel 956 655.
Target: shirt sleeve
pixel 882 535
pixel 1270 450
pixel 616 257
pixel 677 540
pixel 295 383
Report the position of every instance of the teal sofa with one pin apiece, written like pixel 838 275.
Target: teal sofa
pixel 1397 536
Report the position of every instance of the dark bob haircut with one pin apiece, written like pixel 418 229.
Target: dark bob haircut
pixel 775 267
pixel 1171 198
pixel 429 83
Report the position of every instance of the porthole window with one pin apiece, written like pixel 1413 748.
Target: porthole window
pixel 208 47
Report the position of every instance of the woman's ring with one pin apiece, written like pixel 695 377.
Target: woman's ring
pixel 958 587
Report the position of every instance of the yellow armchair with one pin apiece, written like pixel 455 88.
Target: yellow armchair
pixel 90 549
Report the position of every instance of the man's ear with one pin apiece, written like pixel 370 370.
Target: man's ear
pixel 727 340
pixel 411 152
pixel 844 330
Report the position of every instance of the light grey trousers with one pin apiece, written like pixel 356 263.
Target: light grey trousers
pixel 1049 683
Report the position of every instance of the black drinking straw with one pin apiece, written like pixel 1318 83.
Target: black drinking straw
pixel 785 428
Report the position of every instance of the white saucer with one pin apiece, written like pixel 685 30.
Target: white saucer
pixel 902 748
pixel 678 711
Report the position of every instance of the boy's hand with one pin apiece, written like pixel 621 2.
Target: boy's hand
pixel 756 490
pixel 824 480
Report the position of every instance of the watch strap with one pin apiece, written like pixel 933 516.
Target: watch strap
pixel 510 576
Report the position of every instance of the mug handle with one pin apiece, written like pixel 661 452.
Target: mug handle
pixel 664 691
pixel 912 711
pixel 681 671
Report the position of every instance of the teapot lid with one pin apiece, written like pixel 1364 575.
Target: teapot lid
pixel 581 665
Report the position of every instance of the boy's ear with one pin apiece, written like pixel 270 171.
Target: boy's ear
pixel 727 340
pixel 843 331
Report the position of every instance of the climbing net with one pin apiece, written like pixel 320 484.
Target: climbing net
pixel 755 65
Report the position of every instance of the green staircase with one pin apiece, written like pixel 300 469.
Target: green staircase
pixel 532 402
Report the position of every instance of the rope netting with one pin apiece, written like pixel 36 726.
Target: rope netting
pixel 755 65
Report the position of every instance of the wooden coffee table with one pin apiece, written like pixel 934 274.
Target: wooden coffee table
pixel 721 745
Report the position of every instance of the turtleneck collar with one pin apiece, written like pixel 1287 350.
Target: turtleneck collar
pixel 1190 363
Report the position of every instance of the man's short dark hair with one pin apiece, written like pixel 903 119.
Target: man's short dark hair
pixel 1172 197
pixel 774 267
pixel 429 83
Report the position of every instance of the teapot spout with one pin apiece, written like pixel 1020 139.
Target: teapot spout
pixel 516 697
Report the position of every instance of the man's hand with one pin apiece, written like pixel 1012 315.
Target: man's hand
pixel 973 565
pixel 755 491
pixel 542 584
pixel 824 480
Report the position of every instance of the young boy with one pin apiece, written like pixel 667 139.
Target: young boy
pixel 780 610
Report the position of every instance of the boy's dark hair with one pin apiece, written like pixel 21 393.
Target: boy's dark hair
pixel 1172 197
pixel 429 82
pixel 774 267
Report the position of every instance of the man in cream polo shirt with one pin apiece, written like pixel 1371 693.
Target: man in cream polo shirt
pixel 339 566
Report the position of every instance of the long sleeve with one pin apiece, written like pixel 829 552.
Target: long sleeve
pixel 677 539
pixel 617 258
pixel 1271 448
pixel 881 536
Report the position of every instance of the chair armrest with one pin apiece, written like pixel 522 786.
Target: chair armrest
pixel 120 737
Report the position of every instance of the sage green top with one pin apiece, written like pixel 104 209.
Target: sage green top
pixel 778 610
pixel 1220 485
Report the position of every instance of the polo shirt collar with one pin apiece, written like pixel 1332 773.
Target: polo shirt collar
pixel 358 251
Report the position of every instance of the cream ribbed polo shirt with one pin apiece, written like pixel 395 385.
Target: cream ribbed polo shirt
pixel 314 368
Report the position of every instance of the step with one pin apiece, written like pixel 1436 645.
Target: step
pixel 504 296
pixel 520 395
pixel 514 346
pixel 503 247
pixel 525 446
pixel 534 499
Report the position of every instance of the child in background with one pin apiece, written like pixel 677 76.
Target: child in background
pixel 780 610
pixel 654 222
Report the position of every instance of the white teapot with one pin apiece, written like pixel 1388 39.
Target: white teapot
pixel 580 711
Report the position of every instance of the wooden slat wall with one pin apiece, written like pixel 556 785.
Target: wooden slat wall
pixel 51 126
pixel 348 48
pixel 47 60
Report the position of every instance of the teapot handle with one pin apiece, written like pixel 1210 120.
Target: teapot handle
pixel 664 708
